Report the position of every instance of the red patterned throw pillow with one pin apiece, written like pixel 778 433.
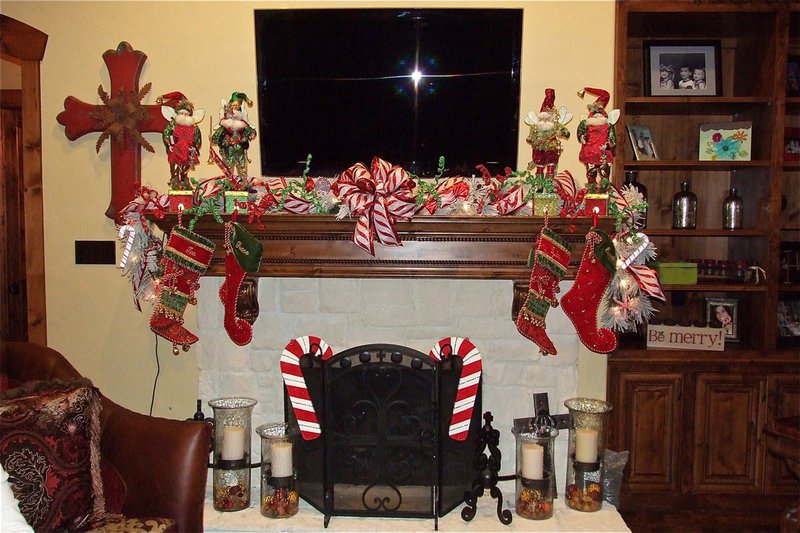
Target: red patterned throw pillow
pixel 49 445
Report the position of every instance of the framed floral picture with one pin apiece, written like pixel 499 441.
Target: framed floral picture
pixel 726 141
pixel 682 68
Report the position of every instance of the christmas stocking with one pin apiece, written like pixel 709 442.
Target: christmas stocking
pixel 187 255
pixel 242 255
pixel 581 302
pixel 550 264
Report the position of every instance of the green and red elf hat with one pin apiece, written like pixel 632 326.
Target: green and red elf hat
pixel 176 100
pixel 598 107
pixel 238 98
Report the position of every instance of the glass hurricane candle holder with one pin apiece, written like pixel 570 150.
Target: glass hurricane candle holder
pixel 536 480
pixel 232 452
pixel 585 465
pixel 279 498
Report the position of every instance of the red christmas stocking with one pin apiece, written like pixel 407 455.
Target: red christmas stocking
pixel 187 256
pixel 581 302
pixel 551 260
pixel 242 255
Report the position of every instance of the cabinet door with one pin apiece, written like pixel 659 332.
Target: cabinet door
pixel 729 415
pixel 648 418
pixel 783 393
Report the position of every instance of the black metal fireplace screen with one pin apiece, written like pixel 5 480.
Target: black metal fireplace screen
pixel 388 423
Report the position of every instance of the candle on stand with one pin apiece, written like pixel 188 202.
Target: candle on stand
pixel 281 456
pixel 532 461
pixel 586 445
pixel 232 443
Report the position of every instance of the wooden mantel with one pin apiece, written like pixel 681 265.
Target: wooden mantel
pixel 433 246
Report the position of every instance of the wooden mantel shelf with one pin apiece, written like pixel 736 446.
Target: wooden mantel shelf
pixel 433 247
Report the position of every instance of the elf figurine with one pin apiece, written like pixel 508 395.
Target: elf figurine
pixel 597 137
pixel 181 137
pixel 234 133
pixel 547 128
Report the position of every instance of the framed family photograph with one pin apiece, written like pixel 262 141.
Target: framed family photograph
pixel 793 75
pixel 644 147
pixel 724 313
pixel 682 68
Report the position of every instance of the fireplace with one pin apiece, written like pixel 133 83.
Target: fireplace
pixel 390 443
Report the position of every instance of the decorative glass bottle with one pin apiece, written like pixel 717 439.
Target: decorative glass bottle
pixel 536 480
pixel 630 179
pixel 732 211
pixel 684 208
pixel 585 464
pixel 279 498
pixel 232 452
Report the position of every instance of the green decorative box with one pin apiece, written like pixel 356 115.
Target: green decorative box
pixel 676 273
pixel 236 200
pixel 545 202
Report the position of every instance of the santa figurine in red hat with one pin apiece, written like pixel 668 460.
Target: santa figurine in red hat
pixel 597 137
pixel 547 128
pixel 181 137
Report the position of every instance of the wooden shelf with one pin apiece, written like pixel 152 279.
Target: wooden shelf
pixel 702 105
pixel 433 247
pixel 789 288
pixel 716 287
pixel 695 165
pixel 653 232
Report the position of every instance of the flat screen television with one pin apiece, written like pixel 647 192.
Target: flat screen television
pixel 407 85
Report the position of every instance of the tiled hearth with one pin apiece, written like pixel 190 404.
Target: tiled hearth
pixel 410 312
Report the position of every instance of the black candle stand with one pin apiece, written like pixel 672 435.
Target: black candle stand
pixel 487 467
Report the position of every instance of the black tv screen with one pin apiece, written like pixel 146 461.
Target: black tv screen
pixel 340 84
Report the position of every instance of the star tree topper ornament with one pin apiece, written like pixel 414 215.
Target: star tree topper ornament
pixel 182 137
pixel 598 138
pixel 234 133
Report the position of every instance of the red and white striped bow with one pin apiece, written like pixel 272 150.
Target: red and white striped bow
pixel 379 197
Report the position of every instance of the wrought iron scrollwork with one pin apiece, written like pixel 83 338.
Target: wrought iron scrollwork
pixel 487 468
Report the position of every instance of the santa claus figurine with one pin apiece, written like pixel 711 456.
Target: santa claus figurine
pixel 234 133
pixel 181 137
pixel 547 128
pixel 597 137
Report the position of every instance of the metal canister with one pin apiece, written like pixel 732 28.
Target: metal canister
pixel 684 208
pixel 732 211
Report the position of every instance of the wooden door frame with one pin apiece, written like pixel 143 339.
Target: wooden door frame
pixel 25 46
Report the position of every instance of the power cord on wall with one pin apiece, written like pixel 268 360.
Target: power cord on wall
pixel 155 381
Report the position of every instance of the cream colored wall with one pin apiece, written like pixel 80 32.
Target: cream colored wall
pixel 567 45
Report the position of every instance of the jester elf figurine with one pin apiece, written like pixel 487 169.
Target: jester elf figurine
pixel 597 137
pixel 234 133
pixel 182 138
pixel 547 128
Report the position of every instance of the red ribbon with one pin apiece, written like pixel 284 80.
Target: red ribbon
pixel 147 201
pixel 449 191
pixel 379 197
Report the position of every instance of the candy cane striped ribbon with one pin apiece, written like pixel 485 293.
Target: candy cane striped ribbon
pixel 468 382
pixel 378 196
pixel 296 384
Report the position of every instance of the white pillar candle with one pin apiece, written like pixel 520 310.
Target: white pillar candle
pixel 232 443
pixel 532 459
pixel 281 456
pixel 586 445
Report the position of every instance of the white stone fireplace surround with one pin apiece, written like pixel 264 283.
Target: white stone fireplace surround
pixel 410 312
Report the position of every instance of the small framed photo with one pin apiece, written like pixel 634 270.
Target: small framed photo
pixel 726 141
pixel 682 68
pixel 791 145
pixel 644 146
pixel 724 313
pixel 793 76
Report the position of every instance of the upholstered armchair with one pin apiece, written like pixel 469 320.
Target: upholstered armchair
pixel 163 463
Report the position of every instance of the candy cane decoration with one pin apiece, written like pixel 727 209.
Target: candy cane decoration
pixel 468 383
pixel 131 231
pixel 296 384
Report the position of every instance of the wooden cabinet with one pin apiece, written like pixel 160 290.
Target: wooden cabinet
pixel 730 411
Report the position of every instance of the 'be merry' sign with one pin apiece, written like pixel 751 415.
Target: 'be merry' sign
pixel 685 338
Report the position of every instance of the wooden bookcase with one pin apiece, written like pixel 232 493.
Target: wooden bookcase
pixel 693 420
